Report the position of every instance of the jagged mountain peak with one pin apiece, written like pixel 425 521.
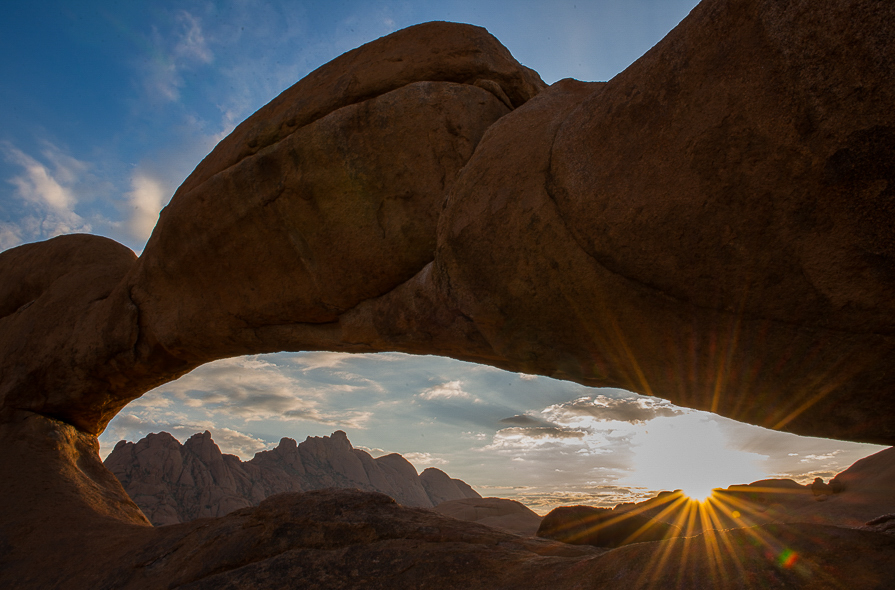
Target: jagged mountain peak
pixel 173 482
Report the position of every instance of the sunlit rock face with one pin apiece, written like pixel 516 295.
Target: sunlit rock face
pixel 714 226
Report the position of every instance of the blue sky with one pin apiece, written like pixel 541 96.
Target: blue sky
pixel 107 107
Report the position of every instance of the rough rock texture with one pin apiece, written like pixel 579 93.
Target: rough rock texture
pixel 440 487
pixel 854 497
pixel 326 197
pixel 350 539
pixel 174 483
pixel 602 527
pixel 714 225
pixel 500 513
pixel 882 524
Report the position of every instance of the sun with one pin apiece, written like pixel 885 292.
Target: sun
pixel 690 453
pixel 698 492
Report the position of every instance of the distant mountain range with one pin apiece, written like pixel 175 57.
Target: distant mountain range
pixel 174 483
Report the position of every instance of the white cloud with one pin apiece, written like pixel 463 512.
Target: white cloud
pixel 176 51
pixel 191 45
pixel 252 388
pixel 548 443
pixel 447 391
pixel 132 427
pixel 10 235
pixel 38 185
pixel 823 457
pixel 48 196
pixel 373 451
pixel 146 199
pixel 426 459
pixel 634 410
pixel 331 360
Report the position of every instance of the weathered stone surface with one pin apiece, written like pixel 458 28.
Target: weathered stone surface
pixel 64 342
pixel 691 228
pixel 602 527
pixel 499 513
pixel 714 225
pixel 349 539
pixel 174 483
pixel 440 487
pixel 335 188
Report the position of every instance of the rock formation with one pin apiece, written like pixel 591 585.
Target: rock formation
pixel 602 527
pixel 863 502
pixel 174 483
pixel 714 225
pixel 499 513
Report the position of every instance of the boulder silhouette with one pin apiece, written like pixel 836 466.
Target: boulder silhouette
pixel 499 513
pixel 601 527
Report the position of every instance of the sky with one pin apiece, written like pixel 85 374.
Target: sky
pixel 108 106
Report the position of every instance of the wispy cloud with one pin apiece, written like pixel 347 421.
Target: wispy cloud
pixel 538 442
pixel 540 432
pixel 39 185
pixel 452 390
pixel 823 457
pixel 132 427
pixel 47 194
pixel 147 197
pixel 427 459
pixel 251 388
pixel 634 410
pixel 523 420
pixel 182 48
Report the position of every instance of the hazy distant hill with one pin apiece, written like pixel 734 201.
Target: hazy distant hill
pixel 174 483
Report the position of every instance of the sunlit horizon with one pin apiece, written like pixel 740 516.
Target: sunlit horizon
pixel 540 441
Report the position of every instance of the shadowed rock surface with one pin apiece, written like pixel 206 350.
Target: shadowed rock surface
pixel 500 513
pixel 174 483
pixel 863 502
pixel 714 225
pixel 602 527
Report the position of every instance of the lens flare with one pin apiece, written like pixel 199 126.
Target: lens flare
pixel 699 493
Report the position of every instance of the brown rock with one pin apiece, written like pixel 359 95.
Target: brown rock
pixel 62 338
pixel 601 527
pixel 498 513
pixel 347 172
pixel 348 539
pixel 865 491
pixel 404 480
pixel 867 495
pixel 174 483
pixel 274 202
pixel 714 225
pixel 695 228
pixel 440 487
pixel 882 524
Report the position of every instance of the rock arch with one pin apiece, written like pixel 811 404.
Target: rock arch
pixel 713 226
